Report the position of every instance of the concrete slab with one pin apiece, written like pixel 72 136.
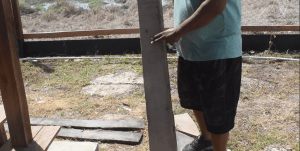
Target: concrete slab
pixel 185 124
pixel 72 146
pixel 182 140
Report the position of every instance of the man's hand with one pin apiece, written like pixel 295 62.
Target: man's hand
pixel 170 36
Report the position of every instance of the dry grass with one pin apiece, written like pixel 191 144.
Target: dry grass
pixel 26 10
pixel 272 12
pixel 268 112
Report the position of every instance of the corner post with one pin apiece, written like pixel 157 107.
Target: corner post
pixel 11 82
pixel 160 116
pixel 19 29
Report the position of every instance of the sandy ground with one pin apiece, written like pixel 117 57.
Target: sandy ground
pixel 257 13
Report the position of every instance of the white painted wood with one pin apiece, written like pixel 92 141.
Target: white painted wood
pixel 161 125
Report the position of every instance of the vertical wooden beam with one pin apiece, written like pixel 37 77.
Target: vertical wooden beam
pixel 3 137
pixel 11 82
pixel 19 29
pixel 161 126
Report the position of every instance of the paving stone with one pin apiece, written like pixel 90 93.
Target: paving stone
pixel 185 124
pixel 182 140
pixel 72 146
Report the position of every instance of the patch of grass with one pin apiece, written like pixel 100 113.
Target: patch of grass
pixel 22 3
pixel 62 113
pixel 51 9
pixel 282 96
pixel 54 10
pixel 248 60
pixel 245 72
pixel 94 3
pixel 256 140
pixel 177 109
pixel 61 9
pixel 39 6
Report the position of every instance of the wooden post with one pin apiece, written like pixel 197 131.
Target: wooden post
pixel 11 82
pixel 156 78
pixel 19 29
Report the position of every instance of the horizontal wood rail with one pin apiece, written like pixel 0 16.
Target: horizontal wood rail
pixel 270 28
pixel 137 31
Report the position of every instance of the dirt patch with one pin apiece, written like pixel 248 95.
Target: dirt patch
pixel 118 84
pixel 50 103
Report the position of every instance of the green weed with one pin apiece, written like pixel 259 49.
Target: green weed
pixel 39 6
pixel 94 3
pixel 51 9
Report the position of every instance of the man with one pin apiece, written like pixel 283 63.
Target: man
pixel 207 36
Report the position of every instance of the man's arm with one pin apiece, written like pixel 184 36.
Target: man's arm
pixel 205 14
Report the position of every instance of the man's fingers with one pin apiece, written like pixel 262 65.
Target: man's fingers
pixel 157 40
pixel 158 35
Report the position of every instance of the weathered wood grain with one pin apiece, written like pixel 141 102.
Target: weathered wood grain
pixel 11 82
pixel 43 139
pixel 8 146
pixel 19 29
pixel 3 137
pixel 61 34
pixel 126 137
pixel 270 28
pixel 156 78
pixel 123 124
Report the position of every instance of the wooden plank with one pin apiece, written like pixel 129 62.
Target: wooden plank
pixel 128 137
pixel 270 28
pixel 11 82
pixel 116 136
pixel 34 129
pixel 3 137
pixel 2 114
pixel 83 47
pixel 43 139
pixel 137 30
pixel 161 126
pixel 81 33
pixel 19 29
pixel 185 124
pixel 121 124
pixel 8 146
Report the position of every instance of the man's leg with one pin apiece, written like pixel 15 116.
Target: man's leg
pixel 219 141
pixel 201 123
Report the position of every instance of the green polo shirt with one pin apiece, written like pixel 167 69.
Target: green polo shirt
pixel 220 39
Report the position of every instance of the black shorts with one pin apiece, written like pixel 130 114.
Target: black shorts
pixel 212 87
